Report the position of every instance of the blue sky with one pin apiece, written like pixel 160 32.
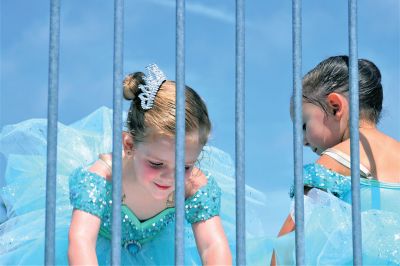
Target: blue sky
pixel 86 67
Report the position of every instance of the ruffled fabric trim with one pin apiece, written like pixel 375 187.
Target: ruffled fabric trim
pixel 318 176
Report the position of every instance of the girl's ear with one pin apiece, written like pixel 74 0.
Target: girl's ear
pixel 337 104
pixel 127 141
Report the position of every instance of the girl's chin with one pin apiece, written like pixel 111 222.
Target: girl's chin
pixel 161 196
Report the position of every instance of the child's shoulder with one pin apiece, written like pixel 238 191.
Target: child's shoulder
pixel 82 178
pixel 95 177
pixel 379 155
pixel 102 167
pixel 89 192
pixel 342 165
pixel 333 164
pixel 316 175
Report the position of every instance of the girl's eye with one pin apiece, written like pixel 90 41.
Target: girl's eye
pixel 155 165
pixel 304 126
pixel 187 167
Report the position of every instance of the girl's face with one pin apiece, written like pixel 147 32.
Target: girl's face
pixel 320 130
pixel 154 163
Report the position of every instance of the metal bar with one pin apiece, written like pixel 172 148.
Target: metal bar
pixel 298 133
pixel 52 118
pixel 240 135
pixel 117 132
pixel 354 134
pixel 180 133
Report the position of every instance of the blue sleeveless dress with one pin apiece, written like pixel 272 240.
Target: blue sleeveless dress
pixel 149 242
pixel 328 225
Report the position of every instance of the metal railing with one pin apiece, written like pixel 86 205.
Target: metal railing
pixel 117 132
pixel 52 119
pixel 240 135
pixel 298 133
pixel 354 134
pixel 180 135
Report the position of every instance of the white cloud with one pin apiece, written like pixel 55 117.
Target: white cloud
pixel 220 15
pixel 201 9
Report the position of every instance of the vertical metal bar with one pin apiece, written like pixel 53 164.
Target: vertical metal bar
pixel 180 133
pixel 52 118
pixel 354 134
pixel 298 133
pixel 240 135
pixel 117 132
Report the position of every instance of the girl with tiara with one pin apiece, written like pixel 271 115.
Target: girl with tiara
pixel 328 225
pixel 83 214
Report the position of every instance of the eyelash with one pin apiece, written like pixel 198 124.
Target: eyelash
pixel 155 165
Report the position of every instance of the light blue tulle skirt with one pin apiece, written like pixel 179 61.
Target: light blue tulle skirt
pixel 328 219
pixel 22 232
pixel 328 230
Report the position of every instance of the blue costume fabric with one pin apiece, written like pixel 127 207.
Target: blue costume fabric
pixel 150 242
pixel 328 222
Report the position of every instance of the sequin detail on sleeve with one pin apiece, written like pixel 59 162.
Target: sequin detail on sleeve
pixel 88 192
pixel 317 176
pixel 204 204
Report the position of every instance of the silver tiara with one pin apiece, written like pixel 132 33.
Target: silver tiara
pixel 154 78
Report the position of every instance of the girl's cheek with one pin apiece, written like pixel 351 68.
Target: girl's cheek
pixel 149 172
pixel 312 137
pixel 189 172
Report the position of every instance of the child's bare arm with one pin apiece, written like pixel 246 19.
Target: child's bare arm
pixel 212 243
pixel 82 238
pixel 287 227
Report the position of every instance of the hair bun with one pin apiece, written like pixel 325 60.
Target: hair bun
pixel 131 85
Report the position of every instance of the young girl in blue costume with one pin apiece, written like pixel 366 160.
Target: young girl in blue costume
pixel 327 182
pixel 83 223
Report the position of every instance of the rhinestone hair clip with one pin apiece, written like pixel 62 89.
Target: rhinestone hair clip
pixel 154 78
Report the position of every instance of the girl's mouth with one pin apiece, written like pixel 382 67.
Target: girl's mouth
pixel 162 187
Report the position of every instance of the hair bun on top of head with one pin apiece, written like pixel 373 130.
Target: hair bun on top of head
pixel 131 85
pixel 148 84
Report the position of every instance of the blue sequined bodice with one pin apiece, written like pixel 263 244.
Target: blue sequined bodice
pixel 92 193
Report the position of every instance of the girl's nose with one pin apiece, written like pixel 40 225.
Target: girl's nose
pixel 168 174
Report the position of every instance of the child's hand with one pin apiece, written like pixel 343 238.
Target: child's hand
pixel 196 180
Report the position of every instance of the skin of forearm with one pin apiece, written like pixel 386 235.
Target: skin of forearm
pixel 217 253
pixel 81 253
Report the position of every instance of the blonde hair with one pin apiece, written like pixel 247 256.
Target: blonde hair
pixel 160 118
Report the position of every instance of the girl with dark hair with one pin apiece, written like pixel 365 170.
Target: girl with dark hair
pixel 328 182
